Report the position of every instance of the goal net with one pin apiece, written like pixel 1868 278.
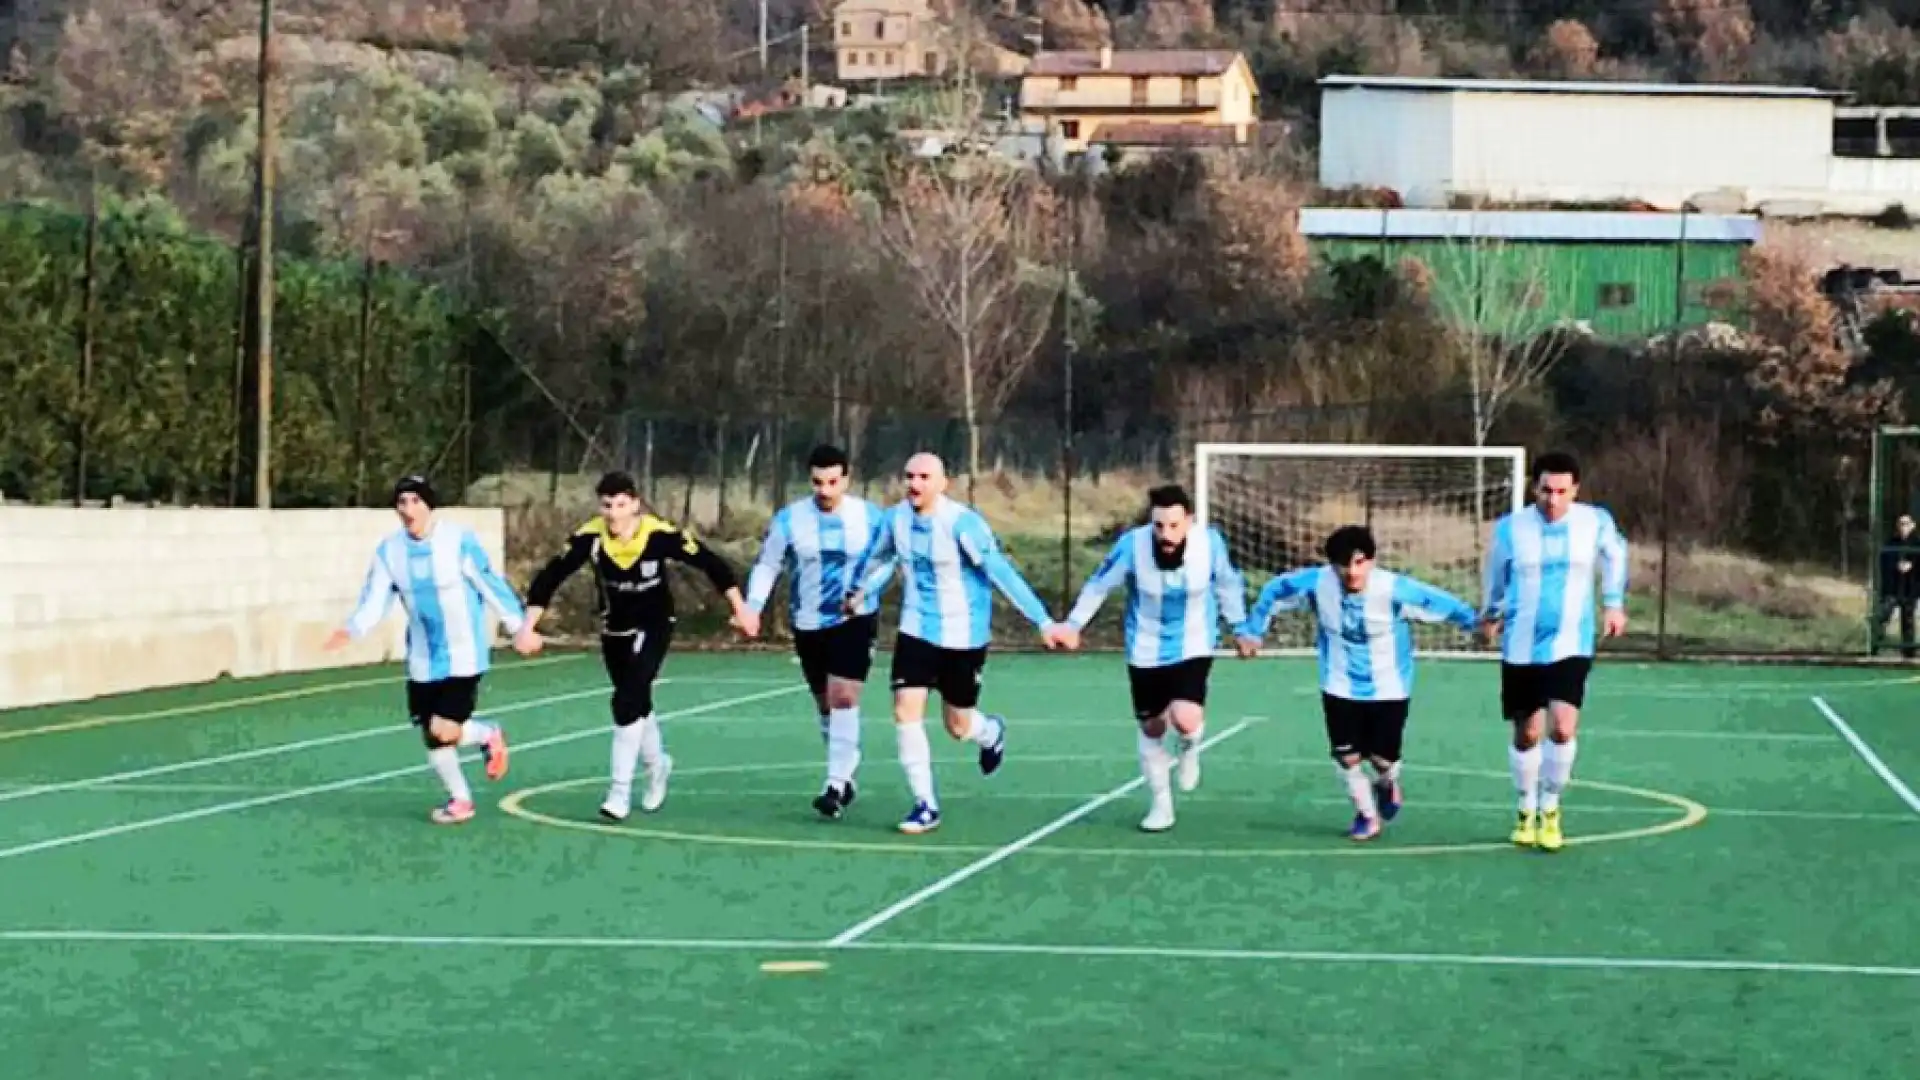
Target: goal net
pixel 1431 510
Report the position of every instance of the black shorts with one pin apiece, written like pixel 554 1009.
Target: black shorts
pixel 955 673
pixel 453 698
pixel 1372 729
pixel 844 651
pixel 633 663
pixel 1527 688
pixel 1155 688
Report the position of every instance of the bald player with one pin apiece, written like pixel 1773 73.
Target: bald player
pixel 952 564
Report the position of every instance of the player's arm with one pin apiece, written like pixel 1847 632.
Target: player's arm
pixel 1613 574
pixel 376 599
pixel 1229 585
pixel 979 546
pixel 680 546
pixel 869 575
pixel 1497 575
pixel 1112 573
pixel 1416 600
pixel 554 574
pixel 1287 592
pixel 766 569
pixel 478 569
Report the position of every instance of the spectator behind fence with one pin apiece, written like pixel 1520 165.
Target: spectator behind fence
pixel 1899 584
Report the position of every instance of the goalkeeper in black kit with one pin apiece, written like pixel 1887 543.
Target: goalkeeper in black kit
pixel 628 549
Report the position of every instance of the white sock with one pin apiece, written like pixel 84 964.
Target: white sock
pixel 1183 743
pixel 475 732
pixel 1359 788
pixel 626 757
pixel 916 757
pixel 651 743
pixel 981 729
pixel 1155 764
pixel 843 744
pixel 1556 771
pixel 446 761
pixel 1526 775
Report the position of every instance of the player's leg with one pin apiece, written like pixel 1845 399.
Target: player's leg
pixel 1188 715
pixel 846 664
pixel 915 672
pixel 1385 737
pixel 1523 706
pixel 1566 691
pixel 1346 734
pixel 810 647
pixel 444 711
pixel 960 671
pixel 633 663
pixel 1151 706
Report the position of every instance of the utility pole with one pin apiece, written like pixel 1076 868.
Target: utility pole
pixel 263 272
pixel 763 39
pixel 806 47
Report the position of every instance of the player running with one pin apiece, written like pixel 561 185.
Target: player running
pixel 627 547
pixel 816 541
pixel 1366 659
pixel 1180 583
pixel 953 565
pixel 1539 600
pixel 444 581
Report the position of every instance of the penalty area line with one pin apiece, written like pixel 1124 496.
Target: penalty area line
pixel 965 948
pixel 1867 755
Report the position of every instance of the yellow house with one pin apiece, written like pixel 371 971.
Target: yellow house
pixel 888 39
pixel 1141 97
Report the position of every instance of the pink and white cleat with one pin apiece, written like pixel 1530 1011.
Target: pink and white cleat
pixel 455 812
pixel 497 754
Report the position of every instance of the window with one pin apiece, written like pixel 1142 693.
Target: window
pixel 880 29
pixel 846 29
pixel 1139 91
pixel 1616 295
pixel 1069 82
pixel 873 59
pixel 1189 90
pixel 932 61
pixel 849 59
pixel 1070 129
pixel 889 59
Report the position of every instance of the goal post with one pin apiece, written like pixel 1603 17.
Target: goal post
pixel 1431 510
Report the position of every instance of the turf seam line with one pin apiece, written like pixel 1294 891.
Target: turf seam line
pixel 357 781
pixel 901 907
pixel 1866 754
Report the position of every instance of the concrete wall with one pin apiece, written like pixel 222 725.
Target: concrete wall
pixel 105 601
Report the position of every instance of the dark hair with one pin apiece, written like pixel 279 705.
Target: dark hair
pixel 1348 541
pixel 827 456
pixel 1169 495
pixel 418 485
pixel 617 483
pixel 1556 463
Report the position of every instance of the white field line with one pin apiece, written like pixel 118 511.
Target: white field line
pixel 1866 754
pixel 340 785
pixel 886 915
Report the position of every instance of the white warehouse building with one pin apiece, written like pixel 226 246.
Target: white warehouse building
pixel 1770 149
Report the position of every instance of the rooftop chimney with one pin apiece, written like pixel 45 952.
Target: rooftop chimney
pixel 1106 57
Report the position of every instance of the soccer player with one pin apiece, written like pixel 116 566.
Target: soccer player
pixel 626 546
pixel 1366 659
pixel 1539 600
pixel 444 581
pixel 953 564
pixel 816 541
pixel 1180 582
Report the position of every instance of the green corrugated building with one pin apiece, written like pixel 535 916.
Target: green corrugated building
pixel 1522 271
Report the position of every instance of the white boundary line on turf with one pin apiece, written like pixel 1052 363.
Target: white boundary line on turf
pixel 1080 952
pixel 351 782
pixel 1866 754
pixel 881 918
pixel 274 750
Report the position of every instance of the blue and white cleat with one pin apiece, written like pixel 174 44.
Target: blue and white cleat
pixel 923 819
pixel 1386 793
pixel 1364 828
pixel 992 755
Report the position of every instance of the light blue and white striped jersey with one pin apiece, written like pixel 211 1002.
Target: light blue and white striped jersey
pixel 1172 615
pixel 445 582
pixel 953 564
pixel 1539 581
pixel 1365 640
pixel 817 549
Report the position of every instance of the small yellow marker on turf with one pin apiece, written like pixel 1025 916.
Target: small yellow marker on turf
pixel 792 967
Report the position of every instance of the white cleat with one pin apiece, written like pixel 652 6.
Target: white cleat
pixel 657 785
pixel 1159 816
pixel 1188 774
pixel 618 805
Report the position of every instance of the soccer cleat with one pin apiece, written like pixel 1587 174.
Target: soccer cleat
pixel 657 785
pixel 1159 815
pixel 834 799
pixel 922 819
pixel 1386 794
pixel 1188 774
pixel 1524 833
pixel 453 812
pixel 992 755
pixel 618 805
pixel 1363 828
pixel 496 754
pixel 1550 836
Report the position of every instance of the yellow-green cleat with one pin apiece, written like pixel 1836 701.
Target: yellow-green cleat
pixel 1524 833
pixel 1550 837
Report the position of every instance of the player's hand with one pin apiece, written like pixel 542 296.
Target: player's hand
pixel 749 622
pixel 852 602
pixel 1615 622
pixel 1247 647
pixel 528 641
pixel 1061 636
pixel 336 640
pixel 1490 630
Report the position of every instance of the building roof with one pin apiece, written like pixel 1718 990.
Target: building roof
pixel 1548 225
pixel 1149 134
pixel 1527 86
pixel 1134 62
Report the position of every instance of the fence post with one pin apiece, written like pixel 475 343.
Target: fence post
pixel 83 412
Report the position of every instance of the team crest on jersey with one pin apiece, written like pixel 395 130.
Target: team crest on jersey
pixel 649 567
